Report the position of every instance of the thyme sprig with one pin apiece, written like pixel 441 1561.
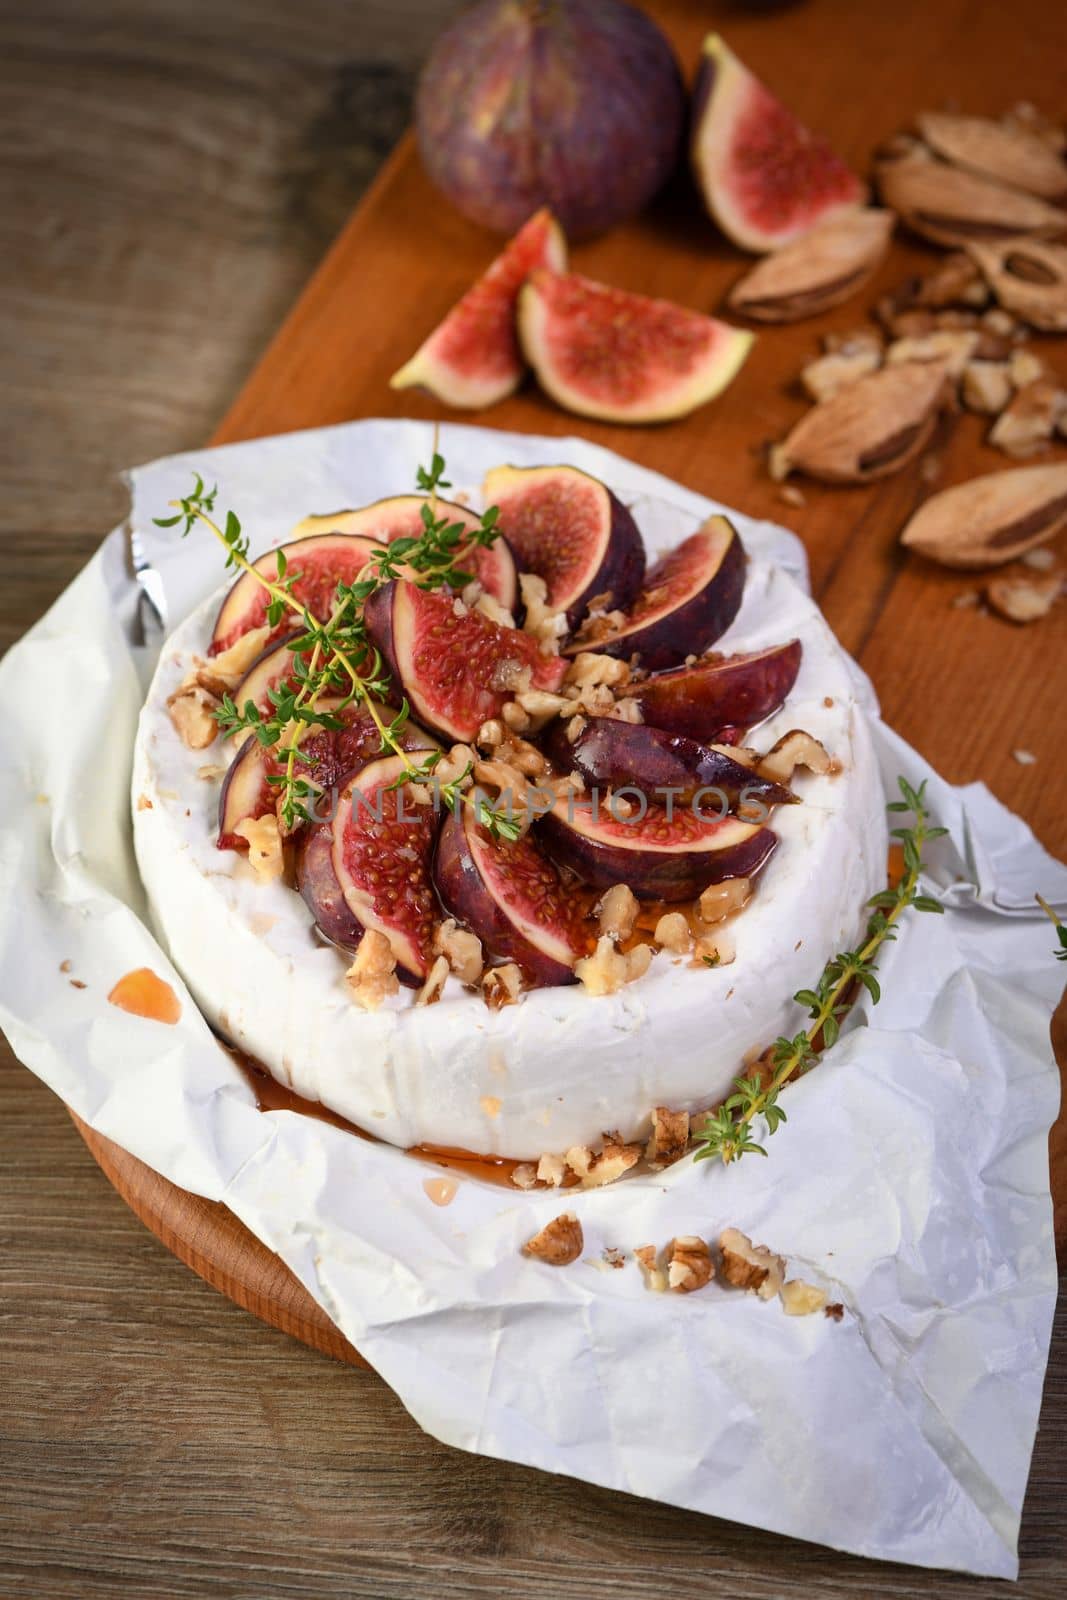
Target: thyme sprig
pixel 728 1132
pixel 335 660
pixel 1061 931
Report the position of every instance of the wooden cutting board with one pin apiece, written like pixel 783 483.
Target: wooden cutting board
pixel 965 688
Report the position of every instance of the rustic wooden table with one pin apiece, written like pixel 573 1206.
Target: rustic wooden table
pixel 170 180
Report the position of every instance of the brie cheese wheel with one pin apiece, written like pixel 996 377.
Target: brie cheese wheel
pixel 561 1066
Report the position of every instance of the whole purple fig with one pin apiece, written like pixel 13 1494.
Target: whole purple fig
pixel 574 104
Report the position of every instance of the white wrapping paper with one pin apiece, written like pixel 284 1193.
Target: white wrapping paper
pixel 911 1178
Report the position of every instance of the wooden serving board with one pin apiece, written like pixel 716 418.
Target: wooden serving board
pixel 965 688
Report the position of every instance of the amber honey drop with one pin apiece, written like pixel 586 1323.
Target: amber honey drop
pixel 143 994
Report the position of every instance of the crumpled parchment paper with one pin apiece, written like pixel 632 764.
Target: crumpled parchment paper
pixel 911 1178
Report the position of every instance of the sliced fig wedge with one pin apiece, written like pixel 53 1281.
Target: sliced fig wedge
pixel 400 517
pixel 716 697
pixel 1010 154
pixel 659 856
pixel 603 352
pixel 869 429
pixel 271 668
pixel 571 531
pixel 316 564
pixel 819 269
pixel 369 867
pixel 1029 278
pixel 689 598
pixel 326 756
pixel 513 898
pixel 456 667
pixel 611 754
pixel 472 358
pixel 951 206
pixel 765 178
pixel 989 520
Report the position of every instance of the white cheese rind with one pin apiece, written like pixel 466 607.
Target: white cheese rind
pixel 562 1066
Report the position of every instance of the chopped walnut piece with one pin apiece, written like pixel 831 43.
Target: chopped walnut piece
pixel 460 759
pixel 541 706
pixel 514 716
pixel 800 1299
pixel 953 346
pixel 672 932
pixel 434 986
pixel 547 626
pixel 191 710
pixel 835 1312
pixel 226 670
pixel 1025 368
pixel 524 1175
pixel 689 1264
pixel 617 912
pixel 750 1266
pixel 721 900
pixel 986 387
pixel 491 734
pixel 1028 423
pixel 551 1170
pixel 794 749
pixel 670 1137
pixel 957 281
pixel 589 670
pixel 559 1243
pixel 462 949
pixel 714 950
pixel 502 986
pixel 654 1275
pixel 999 322
pixel 372 974
pixel 1024 599
pixel 627 710
pixel 605 1166
pixel 607 969
pixel 1042 560
pixel 829 373
pixel 265 853
pixel 613 1257
pixel 490 607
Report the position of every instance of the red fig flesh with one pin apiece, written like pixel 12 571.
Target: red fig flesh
pixel 603 352
pixel 689 598
pixel 369 867
pixel 326 756
pixel 765 178
pixel 714 699
pixel 400 517
pixel 456 668
pixel 611 754
pixel 472 359
pixel 571 531
pixel 317 565
pixel 577 105
pixel 513 898
pixel 660 853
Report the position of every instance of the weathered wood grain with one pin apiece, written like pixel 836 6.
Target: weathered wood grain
pixel 170 177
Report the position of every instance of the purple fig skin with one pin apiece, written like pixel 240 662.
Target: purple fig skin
pixel 615 558
pixel 378 615
pixel 465 896
pixel 711 698
pixel 578 105
pixel 322 893
pixel 612 755
pixel 688 628
pixel 667 875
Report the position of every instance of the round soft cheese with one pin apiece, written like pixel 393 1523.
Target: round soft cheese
pixel 562 1065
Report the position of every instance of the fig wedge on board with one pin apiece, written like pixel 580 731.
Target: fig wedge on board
pixel 456 667
pixel 992 519
pixel 1010 154
pixel 512 896
pixel 818 270
pixel 659 857
pixel 951 206
pixel 369 867
pixel 870 428
pixel 689 598
pixel 720 692
pixel 570 530
pixel 611 754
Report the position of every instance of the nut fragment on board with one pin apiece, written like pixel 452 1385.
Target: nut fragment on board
pixel 750 1266
pixel 820 269
pixel 689 1264
pixel 951 206
pixel 1025 427
pixel 1028 277
pixel 828 373
pixel 986 387
pixel 1024 599
pixel 559 1242
pixel 992 519
pixel 1009 153
pixel 869 429
pixel 953 346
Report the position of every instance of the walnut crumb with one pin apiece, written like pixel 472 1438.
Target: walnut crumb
pixel 524 1175
pixel 613 1257
pixel 617 912
pixel 800 1299
pixel 670 1137
pixel 607 970
pixel 191 710
pixel 606 1166
pixel 1024 599
pixel 143 803
pixel 502 986
pixel 793 749
pixel 462 950
pixel 689 1264
pixel 264 839
pixel 721 900
pixel 559 1242
pixel 434 986
pixel 552 1170
pixel 835 1311
pixel 654 1275
pixel 749 1266
pixel 372 974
